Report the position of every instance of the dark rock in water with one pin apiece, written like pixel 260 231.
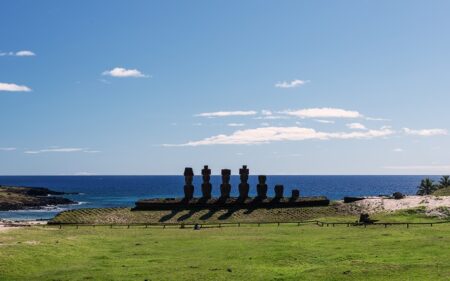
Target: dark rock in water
pixel 18 198
pixel 348 199
pixel 398 195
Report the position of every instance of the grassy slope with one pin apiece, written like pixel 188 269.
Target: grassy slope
pixel 250 253
pixel 442 192
pixel 125 215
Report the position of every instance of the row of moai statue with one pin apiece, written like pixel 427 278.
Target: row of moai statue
pixel 225 187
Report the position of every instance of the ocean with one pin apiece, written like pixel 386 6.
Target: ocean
pixel 123 191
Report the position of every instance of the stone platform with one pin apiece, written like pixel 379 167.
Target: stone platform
pixel 229 203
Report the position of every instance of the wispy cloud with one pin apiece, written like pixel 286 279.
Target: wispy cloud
pixel 22 53
pixel 61 150
pixel 324 112
pixel 272 134
pixel 398 150
pixel 235 124
pixel 324 121
pixel 25 53
pixel 425 132
pixel 356 126
pixel 7 148
pixel 10 87
pixel 226 113
pixel 291 84
pixel 123 72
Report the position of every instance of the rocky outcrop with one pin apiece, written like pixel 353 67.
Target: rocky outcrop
pixel 19 198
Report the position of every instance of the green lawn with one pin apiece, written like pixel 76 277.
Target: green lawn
pixel 287 252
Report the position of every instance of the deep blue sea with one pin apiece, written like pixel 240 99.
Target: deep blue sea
pixel 118 191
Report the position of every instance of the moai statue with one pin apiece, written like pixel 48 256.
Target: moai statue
pixel 206 185
pixel 188 187
pixel 261 188
pixel 244 187
pixel 279 189
pixel 295 194
pixel 225 187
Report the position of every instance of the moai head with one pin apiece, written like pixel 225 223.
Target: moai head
pixel 262 179
pixel 188 175
pixel 279 189
pixel 243 173
pixel 295 193
pixel 226 173
pixel 206 174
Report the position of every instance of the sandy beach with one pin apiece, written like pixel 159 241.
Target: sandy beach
pixel 432 204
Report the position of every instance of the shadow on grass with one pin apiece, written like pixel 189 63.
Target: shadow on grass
pixel 167 217
pixel 208 215
pixel 228 214
pixel 187 216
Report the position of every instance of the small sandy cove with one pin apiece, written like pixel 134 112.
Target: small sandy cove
pixel 380 204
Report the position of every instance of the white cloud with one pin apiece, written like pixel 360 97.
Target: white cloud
pixel 265 124
pixel 7 148
pixel 273 134
pixel 226 113
pixel 266 112
pixel 324 112
pixel 25 53
pixel 398 150
pixel 377 119
pixel 61 150
pixel 9 87
pixel 324 121
pixel 271 117
pixel 356 126
pixel 91 151
pixel 122 72
pixel 425 132
pixel 235 124
pixel 291 84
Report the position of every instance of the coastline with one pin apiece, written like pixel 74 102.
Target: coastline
pixel 15 198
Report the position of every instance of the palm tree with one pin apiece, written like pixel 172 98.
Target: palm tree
pixel 444 182
pixel 426 187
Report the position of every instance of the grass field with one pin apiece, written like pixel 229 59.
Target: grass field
pixel 288 252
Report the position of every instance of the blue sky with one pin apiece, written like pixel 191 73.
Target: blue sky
pixel 286 87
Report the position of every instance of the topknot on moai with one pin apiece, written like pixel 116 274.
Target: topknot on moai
pixel 188 187
pixel 244 187
pixel 206 185
pixel 225 187
pixel 261 187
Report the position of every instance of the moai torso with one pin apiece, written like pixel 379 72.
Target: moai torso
pixel 206 185
pixel 295 194
pixel 261 188
pixel 243 186
pixel 225 187
pixel 279 189
pixel 188 187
